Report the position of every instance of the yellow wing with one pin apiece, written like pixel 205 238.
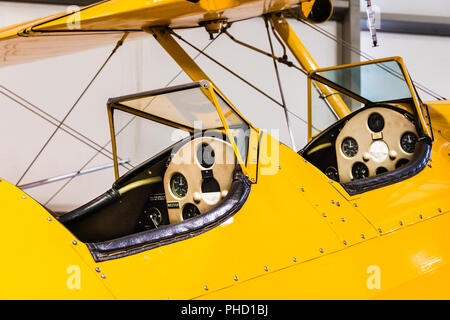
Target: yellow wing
pixel 105 22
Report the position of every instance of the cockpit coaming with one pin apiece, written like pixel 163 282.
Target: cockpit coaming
pixel 383 139
pixel 198 181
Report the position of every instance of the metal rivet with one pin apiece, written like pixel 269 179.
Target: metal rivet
pixel 324 215
pixel 321 250
pixel 331 181
pixel 304 160
pixel 74 242
pixel 236 278
pixel 420 216
pixel 206 288
pixel 363 236
pixel 343 219
pixel 439 209
pixel 332 201
pixel 49 219
pixel 24 197
pixel 294 259
pixel 98 269
pixel 345 242
pixel 279 168
pixel 103 276
pixel 266 269
pixel 401 223
pixel 303 190
pixel 355 205
pixel 379 230
pixel 429 165
pixel 253 179
pixel 338 204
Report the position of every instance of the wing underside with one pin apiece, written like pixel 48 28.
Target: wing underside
pixel 105 22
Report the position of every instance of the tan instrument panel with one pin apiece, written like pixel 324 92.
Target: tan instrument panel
pixel 198 177
pixel 373 142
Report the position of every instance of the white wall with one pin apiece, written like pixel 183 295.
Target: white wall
pixel 414 7
pixel 54 84
pixel 426 57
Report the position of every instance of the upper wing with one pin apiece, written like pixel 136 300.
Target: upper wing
pixel 105 22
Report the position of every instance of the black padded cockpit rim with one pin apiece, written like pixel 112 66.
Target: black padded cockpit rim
pixel 388 178
pixel 147 240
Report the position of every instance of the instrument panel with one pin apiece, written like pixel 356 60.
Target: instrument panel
pixel 374 141
pixel 198 177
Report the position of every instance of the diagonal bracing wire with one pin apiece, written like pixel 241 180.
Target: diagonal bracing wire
pixel 359 52
pixel 120 131
pixel 275 64
pixel 118 45
pixel 54 121
pixel 288 63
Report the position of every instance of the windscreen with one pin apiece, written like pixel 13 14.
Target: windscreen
pixel 377 82
pixel 170 117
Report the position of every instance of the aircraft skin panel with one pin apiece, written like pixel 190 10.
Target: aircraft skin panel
pixel 412 263
pixel 278 245
pixel 38 256
pixel 59 33
pixel 241 247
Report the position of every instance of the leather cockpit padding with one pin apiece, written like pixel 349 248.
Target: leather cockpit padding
pixel 423 153
pixel 90 208
pixel 143 241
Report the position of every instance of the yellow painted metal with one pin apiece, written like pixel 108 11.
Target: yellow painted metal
pixel 319 245
pixel 103 24
pixel 177 53
pixel 304 230
pixel 39 259
pixel 399 60
pixel 408 264
pixel 298 235
pixel 227 131
pixel 305 59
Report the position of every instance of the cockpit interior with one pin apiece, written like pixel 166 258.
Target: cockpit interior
pixel 196 182
pixel 381 140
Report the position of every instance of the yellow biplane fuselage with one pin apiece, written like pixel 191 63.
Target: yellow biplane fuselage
pixel 299 235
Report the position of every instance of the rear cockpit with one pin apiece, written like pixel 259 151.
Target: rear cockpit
pixel 383 137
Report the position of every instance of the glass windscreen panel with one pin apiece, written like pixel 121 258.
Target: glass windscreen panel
pixel 322 114
pixel 189 112
pixel 139 139
pixel 189 107
pixel 376 82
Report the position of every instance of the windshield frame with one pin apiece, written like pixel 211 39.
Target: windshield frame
pixel 248 167
pixel 315 76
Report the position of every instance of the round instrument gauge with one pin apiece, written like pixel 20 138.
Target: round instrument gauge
pixel 360 171
pixel 190 211
pixel 332 173
pixel 206 156
pixel 401 163
pixel 376 122
pixel 349 147
pixel 408 142
pixel 178 185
